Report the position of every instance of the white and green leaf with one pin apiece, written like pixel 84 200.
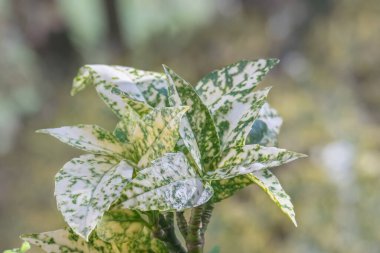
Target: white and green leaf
pixel 129 230
pixel 199 117
pixel 243 160
pixel 238 78
pixel 248 154
pixel 90 138
pixel 170 183
pixel 235 116
pixel 266 127
pixel 86 187
pixel 65 240
pixel 141 86
pixel 186 133
pixel 265 180
pixel 156 134
pixel 270 184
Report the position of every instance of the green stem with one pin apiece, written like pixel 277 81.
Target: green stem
pixel 166 233
pixel 182 223
pixel 206 217
pixel 194 240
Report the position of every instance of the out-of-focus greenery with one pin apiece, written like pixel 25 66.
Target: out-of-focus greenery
pixel 326 88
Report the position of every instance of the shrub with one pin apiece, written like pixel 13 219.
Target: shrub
pixel 175 148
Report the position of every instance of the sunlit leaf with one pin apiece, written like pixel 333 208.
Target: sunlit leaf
pixel 270 184
pixel 170 183
pixel 86 187
pixel 243 160
pixel 91 138
pixel 199 117
pixel 238 78
pixel 144 89
pixel 265 180
pixel 65 240
pixel 156 134
pixel 235 117
pixel 129 230
pixel 187 134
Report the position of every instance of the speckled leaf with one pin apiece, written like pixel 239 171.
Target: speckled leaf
pixel 129 230
pixel 170 183
pixel 265 180
pixel 91 138
pixel 227 187
pixel 270 184
pixel 199 117
pixel 86 187
pixel 156 134
pixel 240 77
pixel 65 240
pixel 235 116
pixel 243 160
pixel 24 248
pixel 141 86
pixel 187 135
pixel 266 127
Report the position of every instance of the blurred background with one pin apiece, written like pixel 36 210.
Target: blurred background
pixel 326 88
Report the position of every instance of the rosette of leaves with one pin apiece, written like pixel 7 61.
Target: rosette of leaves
pixel 133 183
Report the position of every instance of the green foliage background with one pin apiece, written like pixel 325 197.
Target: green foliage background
pixel 326 88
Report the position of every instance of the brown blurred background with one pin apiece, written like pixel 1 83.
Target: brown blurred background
pixel 326 88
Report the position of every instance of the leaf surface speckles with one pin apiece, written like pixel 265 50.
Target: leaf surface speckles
pixel 199 117
pixel 65 240
pixel 235 117
pixel 127 229
pixel 156 134
pixel 170 183
pixel 143 88
pixel 86 187
pixel 90 138
pixel 270 184
pixel 243 160
pixel 240 77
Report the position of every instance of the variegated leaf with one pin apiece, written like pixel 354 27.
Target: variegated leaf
pixel 170 183
pixel 65 240
pixel 129 230
pixel 125 128
pixel 248 154
pixel 243 160
pixel 238 78
pixel 266 128
pixel 91 138
pixel 199 116
pixel 156 134
pixel 265 180
pixel 86 187
pixel 235 116
pixel 119 102
pixel 142 86
pixel 225 188
pixel 270 184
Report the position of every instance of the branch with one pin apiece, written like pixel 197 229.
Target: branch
pixel 182 223
pixel 206 217
pixel 194 240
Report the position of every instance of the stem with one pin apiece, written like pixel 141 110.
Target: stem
pixel 194 240
pixel 182 223
pixel 206 217
pixel 166 233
